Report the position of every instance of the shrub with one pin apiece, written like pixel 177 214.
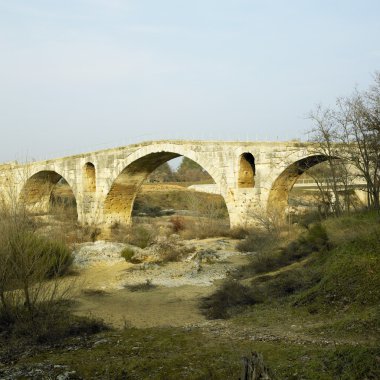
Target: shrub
pixel 27 260
pixel 202 228
pixel 127 253
pixel 315 240
pixel 89 233
pixel 170 249
pixel 50 323
pixel 305 220
pixel 238 233
pixel 257 241
pixel 229 297
pixel 263 262
pixel 141 236
pixel 58 255
pixel 269 257
pixel 178 223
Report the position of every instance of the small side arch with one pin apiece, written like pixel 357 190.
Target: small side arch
pixel 247 171
pixel 89 178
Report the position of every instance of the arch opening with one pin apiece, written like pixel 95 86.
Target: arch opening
pixel 247 171
pixel 279 193
pixel 128 197
pixel 48 193
pixel 89 178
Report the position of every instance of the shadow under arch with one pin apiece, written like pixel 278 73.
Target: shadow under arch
pixel 119 202
pixel 38 192
pixel 279 193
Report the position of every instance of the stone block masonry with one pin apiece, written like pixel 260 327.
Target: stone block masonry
pixel 249 176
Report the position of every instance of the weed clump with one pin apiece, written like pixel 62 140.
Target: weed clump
pixel 140 236
pixel 178 223
pixel 256 241
pixel 58 256
pixel 127 253
pixel 170 249
pixel 238 233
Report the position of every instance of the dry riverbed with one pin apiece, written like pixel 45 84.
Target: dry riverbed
pixel 173 292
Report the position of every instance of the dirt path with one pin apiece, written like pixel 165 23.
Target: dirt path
pixel 162 306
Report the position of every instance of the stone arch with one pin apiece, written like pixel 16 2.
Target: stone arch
pixel 279 193
pixel 36 194
pixel 247 171
pixel 89 178
pixel 119 202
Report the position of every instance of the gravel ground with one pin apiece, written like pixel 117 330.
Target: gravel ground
pixel 210 260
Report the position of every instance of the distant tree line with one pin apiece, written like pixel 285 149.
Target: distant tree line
pixel 187 171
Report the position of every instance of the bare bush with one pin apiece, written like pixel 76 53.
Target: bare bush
pixel 178 223
pixel 168 249
pixel 257 241
pixel 271 220
pixel 30 267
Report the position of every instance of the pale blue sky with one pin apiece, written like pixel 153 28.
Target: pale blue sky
pixel 80 75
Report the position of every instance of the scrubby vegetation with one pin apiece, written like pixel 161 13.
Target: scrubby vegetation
pixel 333 265
pixel 332 269
pixel 327 279
pixel 49 323
pixel 34 299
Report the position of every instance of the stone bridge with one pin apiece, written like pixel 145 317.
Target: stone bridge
pixel 248 175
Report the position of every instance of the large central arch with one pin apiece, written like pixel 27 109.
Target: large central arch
pixel 279 193
pixel 119 202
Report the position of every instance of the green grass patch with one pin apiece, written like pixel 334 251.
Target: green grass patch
pixel 174 353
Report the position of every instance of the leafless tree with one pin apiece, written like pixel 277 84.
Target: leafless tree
pixel 351 131
pixel 334 177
